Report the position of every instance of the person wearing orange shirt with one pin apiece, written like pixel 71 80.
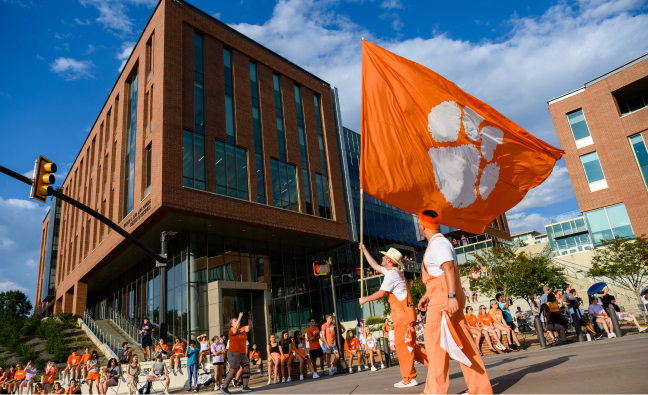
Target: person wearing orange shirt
pixel 178 352
pixel 475 329
pixel 486 324
pixel 162 348
pixel 403 313
pixel 82 367
pixel 237 352
pixel 73 365
pixel 255 359
pixel 328 344
pixel 313 335
pixel 50 375
pixel 500 325
pixel 441 276
pixel 352 348
pixel 19 377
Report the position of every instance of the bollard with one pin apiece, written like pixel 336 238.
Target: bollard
pixel 615 322
pixel 384 346
pixel 541 337
pixel 576 323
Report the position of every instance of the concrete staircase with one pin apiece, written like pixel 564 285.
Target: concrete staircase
pixel 121 336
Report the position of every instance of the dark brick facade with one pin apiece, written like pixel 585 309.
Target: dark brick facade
pixel 86 246
pixel 609 131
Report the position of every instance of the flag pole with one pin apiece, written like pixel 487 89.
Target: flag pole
pixel 361 239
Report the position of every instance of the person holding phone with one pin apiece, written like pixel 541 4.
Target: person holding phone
pixel 237 352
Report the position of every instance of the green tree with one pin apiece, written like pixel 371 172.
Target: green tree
pixel 14 304
pixel 516 275
pixel 624 261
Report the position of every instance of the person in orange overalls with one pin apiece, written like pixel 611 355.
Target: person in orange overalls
pixel 441 277
pixel 403 313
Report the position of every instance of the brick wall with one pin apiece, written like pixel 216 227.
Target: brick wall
pixel 610 134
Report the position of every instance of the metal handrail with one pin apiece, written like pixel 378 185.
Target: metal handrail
pixel 103 336
pixel 126 325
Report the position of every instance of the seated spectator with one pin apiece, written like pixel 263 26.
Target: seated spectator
pixel 498 322
pixel 73 365
pixel 178 352
pixel 133 370
pixel 111 377
pixel 567 294
pixel 58 389
pixel 625 316
pixel 352 349
pixel 7 383
pixel 93 368
pixel 50 375
pixel 162 349
pixel 563 312
pixel 519 314
pixel 19 378
pixel 598 312
pixel 473 296
pixel 74 387
pixel 370 345
pixel 575 294
pixel 255 359
pixel 275 359
pixel 299 352
pixel 486 324
pixel 420 334
pixel 475 329
pixel 83 368
pixel 204 349
pixel 39 389
pixel 551 325
pixel 576 310
pixel 159 371
pixel 125 354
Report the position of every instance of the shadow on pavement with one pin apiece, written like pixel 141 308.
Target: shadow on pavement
pixel 502 383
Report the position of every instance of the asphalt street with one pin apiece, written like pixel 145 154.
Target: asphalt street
pixel 605 366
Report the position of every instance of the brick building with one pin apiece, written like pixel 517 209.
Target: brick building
pixel 242 155
pixel 602 127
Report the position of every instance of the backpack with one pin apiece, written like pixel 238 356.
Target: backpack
pixel 205 379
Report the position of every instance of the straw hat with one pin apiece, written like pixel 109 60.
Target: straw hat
pixel 394 254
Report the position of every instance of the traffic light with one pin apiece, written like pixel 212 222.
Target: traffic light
pixel 321 268
pixel 43 179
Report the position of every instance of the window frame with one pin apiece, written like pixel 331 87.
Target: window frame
pixel 598 184
pixel 635 155
pixel 585 141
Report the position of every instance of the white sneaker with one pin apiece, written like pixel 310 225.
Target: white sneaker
pixel 301 377
pixel 614 334
pixel 405 384
pixel 275 381
pixel 264 374
pixel 373 369
pixel 316 376
pixel 330 372
pixel 641 329
pixel 610 335
pixel 288 380
pixel 270 381
pixel 258 370
pixel 166 392
pixel 382 366
pixel 350 370
pixel 283 380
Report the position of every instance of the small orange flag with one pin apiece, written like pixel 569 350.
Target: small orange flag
pixel 426 144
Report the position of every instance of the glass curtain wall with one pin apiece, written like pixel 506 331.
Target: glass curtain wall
pixel 258 136
pixel 609 223
pixel 303 150
pixel 193 142
pixel 131 138
pixel 322 180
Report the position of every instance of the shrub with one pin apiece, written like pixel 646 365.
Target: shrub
pixel 31 325
pixel 68 320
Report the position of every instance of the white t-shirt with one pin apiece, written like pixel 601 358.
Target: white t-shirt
pixel 371 342
pixel 394 283
pixel 439 251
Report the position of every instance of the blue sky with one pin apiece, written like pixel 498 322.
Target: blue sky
pixel 61 58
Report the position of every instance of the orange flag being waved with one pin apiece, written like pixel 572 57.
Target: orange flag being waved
pixel 426 144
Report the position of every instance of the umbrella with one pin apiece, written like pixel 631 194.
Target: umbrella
pixel 596 288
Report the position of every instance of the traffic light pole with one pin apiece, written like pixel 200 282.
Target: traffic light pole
pixel 59 195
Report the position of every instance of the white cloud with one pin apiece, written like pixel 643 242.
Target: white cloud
pixel 519 222
pixel 216 15
pixel 540 58
pixel 91 49
pixel 72 69
pixel 11 286
pixel 112 13
pixel 40 57
pixel 80 22
pixel 391 4
pixel 557 188
pixel 21 221
pixel 124 52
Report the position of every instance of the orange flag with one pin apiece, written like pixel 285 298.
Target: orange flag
pixel 426 144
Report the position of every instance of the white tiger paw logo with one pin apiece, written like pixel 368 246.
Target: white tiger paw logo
pixel 464 171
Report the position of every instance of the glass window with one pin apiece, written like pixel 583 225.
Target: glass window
pixel 578 125
pixel 284 185
pixel 198 53
pixel 279 114
pixel 131 138
pixel 304 151
pixel 598 225
pixel 619 221
pixel 580 225
pixel 639 148
pixel 231 171
pixel 258 138
pixel 229 96
pixel 148 169
pixel 592 166
pixel 557 229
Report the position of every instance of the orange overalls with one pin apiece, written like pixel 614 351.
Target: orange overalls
pixel 438 371
pixel 403 314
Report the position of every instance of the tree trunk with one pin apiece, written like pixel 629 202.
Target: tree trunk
pixel 641 305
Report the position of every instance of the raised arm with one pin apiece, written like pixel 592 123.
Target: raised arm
pixel 370 259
